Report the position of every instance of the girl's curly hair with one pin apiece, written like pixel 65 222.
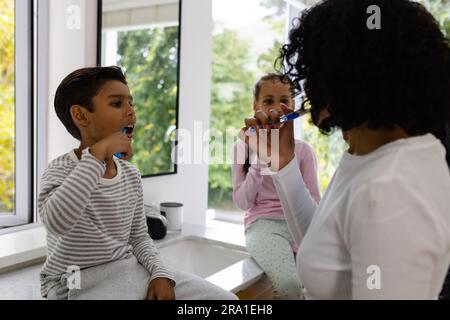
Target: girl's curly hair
pixel 396 75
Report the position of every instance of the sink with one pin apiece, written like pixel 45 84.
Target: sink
pixel 200 256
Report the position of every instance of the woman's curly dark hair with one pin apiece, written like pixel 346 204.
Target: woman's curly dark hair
pixel 396 75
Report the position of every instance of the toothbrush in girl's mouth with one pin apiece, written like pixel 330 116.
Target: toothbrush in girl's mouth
pixel 283 119
pixel 126 130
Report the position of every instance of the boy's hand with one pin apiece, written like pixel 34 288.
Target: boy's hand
pixel 116 143
pixel 160 289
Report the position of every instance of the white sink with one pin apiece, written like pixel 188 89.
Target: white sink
pixel 201 256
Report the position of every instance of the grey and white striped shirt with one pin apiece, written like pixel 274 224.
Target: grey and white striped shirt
pixel 91 220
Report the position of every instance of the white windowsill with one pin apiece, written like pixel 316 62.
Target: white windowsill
pixel 22 247
pixel 228 217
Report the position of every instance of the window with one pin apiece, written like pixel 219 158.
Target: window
pixel 143 38
pixel 240 57
pixel 7 115
pixel 16 110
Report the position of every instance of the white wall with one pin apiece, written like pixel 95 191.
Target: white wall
pixel 190 185
pixel 69 49
pixel 72 49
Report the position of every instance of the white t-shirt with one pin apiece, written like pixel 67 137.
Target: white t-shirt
pixel 382 229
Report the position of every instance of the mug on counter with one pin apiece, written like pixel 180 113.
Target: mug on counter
pixel 173 212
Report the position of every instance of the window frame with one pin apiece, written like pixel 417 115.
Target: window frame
pixel 24 106
pixel 40 101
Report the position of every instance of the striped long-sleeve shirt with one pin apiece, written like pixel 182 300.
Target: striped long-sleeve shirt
pixel 91 220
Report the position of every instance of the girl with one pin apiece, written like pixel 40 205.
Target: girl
pixel 268 239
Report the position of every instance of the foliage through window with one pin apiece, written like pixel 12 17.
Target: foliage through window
pixel 147 51
pixel 7 107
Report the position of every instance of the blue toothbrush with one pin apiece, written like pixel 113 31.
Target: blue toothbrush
pixel 283 119
pixel 126 130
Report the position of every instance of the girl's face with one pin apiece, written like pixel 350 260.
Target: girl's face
pixel 271 95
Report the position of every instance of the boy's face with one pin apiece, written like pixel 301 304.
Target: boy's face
pixel 113 111
pixel 271 95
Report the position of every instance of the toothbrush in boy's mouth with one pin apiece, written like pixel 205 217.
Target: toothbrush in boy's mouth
pixel 283 119
pixel 127 130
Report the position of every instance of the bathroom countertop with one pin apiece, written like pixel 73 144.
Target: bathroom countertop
pixel 19 274
pixel 234 278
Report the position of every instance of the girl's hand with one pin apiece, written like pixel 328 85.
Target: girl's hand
pixel 160 289
pixel 279 152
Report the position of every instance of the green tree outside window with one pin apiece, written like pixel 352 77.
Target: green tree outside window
pixel 7 114
pixel 150 59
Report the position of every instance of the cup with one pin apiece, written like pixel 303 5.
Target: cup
pixel 174 214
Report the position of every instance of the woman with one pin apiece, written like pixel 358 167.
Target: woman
pixel 382 229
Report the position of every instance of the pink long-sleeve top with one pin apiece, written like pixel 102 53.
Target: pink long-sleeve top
pixel 255 192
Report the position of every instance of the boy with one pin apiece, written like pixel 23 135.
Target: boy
pixel 92 204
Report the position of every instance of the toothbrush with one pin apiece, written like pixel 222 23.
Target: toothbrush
pixel 126 130
pixel 283 119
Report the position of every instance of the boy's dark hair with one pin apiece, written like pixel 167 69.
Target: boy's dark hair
pixel 396 75
pixel 79 88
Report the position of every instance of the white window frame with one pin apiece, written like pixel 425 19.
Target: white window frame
pixel 41 89
pixel 23 170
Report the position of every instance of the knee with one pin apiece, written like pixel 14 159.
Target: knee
pixel 286 288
